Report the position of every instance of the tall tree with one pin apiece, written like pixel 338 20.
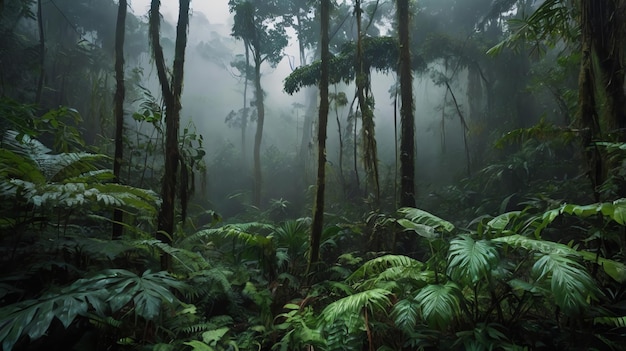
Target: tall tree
pixel 42 53
pixel 171 88
pixel 370 153
pixel 318 211
pixel 407 119
pixel 601 99
pixel 260 26
pixel 120 92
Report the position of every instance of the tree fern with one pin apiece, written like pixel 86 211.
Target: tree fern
pixel 471 260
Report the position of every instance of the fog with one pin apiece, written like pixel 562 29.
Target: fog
pixel 212 89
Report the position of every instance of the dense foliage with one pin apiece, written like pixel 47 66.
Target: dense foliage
pixel 523 249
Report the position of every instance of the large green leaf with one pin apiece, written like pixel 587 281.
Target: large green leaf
pixel 502 221
pixel 353 305
pixel 570 283
pixel 378 265
pixel 33 317
pixel 439 304
pixel 418 216
pixel 614 269
pixel 471 260
pixel 405 314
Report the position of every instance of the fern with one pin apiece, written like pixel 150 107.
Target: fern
pixel 378 265
pixel 470 259
pixel 240 231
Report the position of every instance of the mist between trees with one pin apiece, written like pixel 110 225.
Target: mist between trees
pixel 300 175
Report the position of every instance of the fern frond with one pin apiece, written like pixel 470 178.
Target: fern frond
pixel 415 274
pixel 353 305
pixel 378 265
pixel 191 261
pixel 470 259
pixel 240 231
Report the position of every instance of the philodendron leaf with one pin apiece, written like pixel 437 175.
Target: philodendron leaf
pixel 418 216
pixel 471 259
pixel 615 269
pixel 422 230
pixel 439 304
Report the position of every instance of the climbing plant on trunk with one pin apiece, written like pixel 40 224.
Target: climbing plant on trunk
pixel 171 88
pixel 318 212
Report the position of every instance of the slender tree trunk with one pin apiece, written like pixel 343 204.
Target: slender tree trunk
pixel 370 154
pixel 342 179
pixel 42 53
pixel 171 96
pixel 244 115
pixel 407 119
pixel 318 211
pixel 260 107
pixel 119 108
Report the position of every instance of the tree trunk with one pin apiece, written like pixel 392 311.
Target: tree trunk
pixel 165 230
pixel 370 154
pixel 407 120
pixel 119 108
pixel 42 53
pixel 318 211
pixel 601 78
pixel 256 196
pixel 244 114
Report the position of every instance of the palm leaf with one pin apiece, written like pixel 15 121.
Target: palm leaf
pixel 405 314
pixel 570 283
pixel 352 305
pixel 617 322
pixel 378 265
pixel 470 259
pixel 439 304
pixel 240 231
pixel 614 269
